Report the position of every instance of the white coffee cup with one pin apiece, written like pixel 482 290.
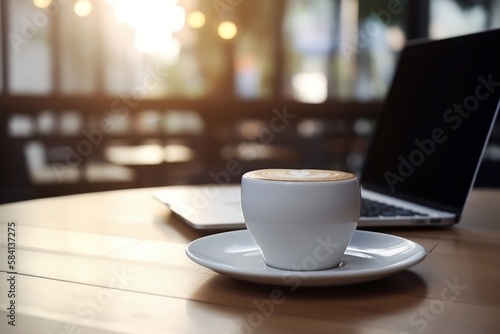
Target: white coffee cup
pixel 301 219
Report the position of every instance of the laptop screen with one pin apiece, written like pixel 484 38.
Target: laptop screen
pixel 436 120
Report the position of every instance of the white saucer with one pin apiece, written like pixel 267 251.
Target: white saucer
pixel 369 256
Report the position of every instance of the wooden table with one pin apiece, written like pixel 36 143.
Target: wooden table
pixel 114 262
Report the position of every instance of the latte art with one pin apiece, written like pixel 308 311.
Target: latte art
pixel 299 175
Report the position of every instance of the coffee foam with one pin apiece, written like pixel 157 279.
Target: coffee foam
pixel 299 175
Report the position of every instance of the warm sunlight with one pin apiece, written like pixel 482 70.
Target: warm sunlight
pixel 154 21
pixel 227 30
pixel 83 8
pixel 42 3
pixel 196 19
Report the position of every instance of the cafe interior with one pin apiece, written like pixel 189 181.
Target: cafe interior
pixel 107 104
pixel 117 94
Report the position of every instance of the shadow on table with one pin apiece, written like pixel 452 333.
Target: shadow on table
pixel 369 303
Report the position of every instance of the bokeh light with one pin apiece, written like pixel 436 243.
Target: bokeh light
pixel 227 30
pixel 196 19
pixel 42 3
pixel 83 8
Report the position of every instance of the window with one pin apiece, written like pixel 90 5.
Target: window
pixel 304 50
pixel 457 17
pixel 29 49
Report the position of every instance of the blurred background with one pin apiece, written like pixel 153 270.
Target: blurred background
pixel 112 94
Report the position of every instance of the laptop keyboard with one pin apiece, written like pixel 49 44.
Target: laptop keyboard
pixel 371 208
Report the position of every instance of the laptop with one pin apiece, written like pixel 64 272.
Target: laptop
pixel 425 152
